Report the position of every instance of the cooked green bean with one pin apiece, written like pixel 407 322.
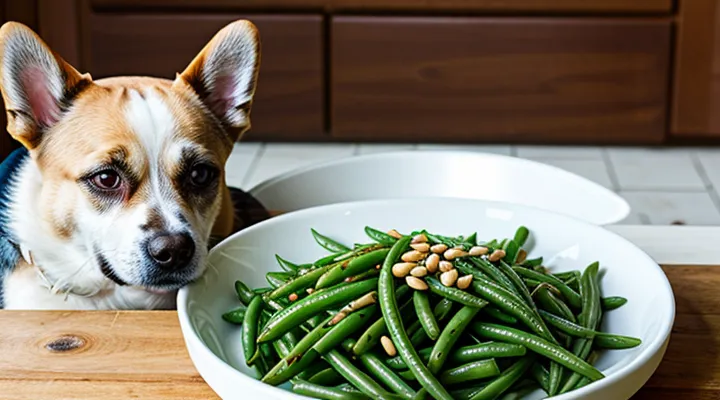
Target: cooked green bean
pixel 343 329
pixel 299 311
pixel 570 295
pixel 387 376
pixel 454 294
pixel 276 279
pixel 326 377
pixel 299 284
pixel 389 307
pixel 511 251
pixel 533 262
pixel 494 312
pixel 616 342
pixel 306 388
pixel 475 370
pixel 518 283
pixel 538 345
pixel 612 303
pixel 449 336
pixel 287 265
pixel 482 351
pixel 354 375
pixel 521 236
pixel 380 237
pixel 250 328
pixel 493 272
pixel 425 314
pixel 235 316
pixel 552 304
pixel 502 383
pixel 357 265
pixel 327 243
pixel 243 292
pixel 372 334
pixel 541 376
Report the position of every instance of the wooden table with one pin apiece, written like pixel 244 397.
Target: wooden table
pixel 141 354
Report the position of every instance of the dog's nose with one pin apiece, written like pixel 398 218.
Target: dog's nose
pixel 171 251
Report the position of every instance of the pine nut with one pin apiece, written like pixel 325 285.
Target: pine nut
pixel 416 283
pixel 388 345
pixel 522 256
pixel 394 233
pixel 448 278
pixel 400 270
pixel 421 247
pixel 413 256
pixel 446 266
pixel 431 263
pixel 452 254
pixel 438 248
pixel 478 251
pixel 497 255
pixel 293 297
pixel 364 301
pixel 378 266
pixel 419 272
pixel 310 290
pixel 337 318
pixel 421 238
pixel 464 282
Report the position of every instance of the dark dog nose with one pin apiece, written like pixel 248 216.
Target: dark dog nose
pixel 171 251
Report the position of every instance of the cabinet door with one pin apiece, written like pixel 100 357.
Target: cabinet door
pixel 471 79
pixel 696 98
pixel 289 102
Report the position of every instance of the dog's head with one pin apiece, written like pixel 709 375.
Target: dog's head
pixel 131 168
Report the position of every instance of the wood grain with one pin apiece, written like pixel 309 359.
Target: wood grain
pixel 586 6
pixel 289 100
pixel 570 80
pixel 696 94
pixel 141 354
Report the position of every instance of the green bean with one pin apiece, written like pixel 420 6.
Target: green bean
pixel 380 237
pixel 326 377
pixel 343 329
pixel 299 284
pixel 425 314
pixel 276 279
pixel 441 311
pixel 503 382
pixel 521 235
pixel 454 294
pixel 306 388
pixel 287 265
pixel 235 316
pixel 512 305
pixel 538 345
pixel 533 262
pixel 449 336
pixel 243 292
pixel 570 295
pixel 552 304
pixel 472 239
pixel 483 351
pixel 372 334
pixel 362 276
pixel 585 381
pixel 493 272
pixel 589 318
pixel 475 370
pixel 250 328
pixel 421 394
pixel 389 307
pixel 353 375
pixel 612 303
pixel 511 251
pixel 387 376
pixel 327 243
pixel 299 311
pixel 616 342
pixel 541 376
pixel 357 265
pixel 518 283
pixel 494 312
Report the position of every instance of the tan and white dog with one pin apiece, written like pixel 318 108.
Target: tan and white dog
pixel 119 186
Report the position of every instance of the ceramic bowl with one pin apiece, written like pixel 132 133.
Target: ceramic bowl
pixel 458 174
pixel 564 242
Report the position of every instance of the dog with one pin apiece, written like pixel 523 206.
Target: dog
pixel 118 189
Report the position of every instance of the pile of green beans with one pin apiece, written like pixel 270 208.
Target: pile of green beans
pixel 422 315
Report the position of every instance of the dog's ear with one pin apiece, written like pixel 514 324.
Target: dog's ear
pixel 224 75
pixel 35 82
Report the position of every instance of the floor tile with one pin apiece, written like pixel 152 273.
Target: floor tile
pixel 664 208
pixel 484 148
pixel 594 170
pixel 650 169
pixel 280 158
pixel 240 162
pixel 560 152
pixel 372 148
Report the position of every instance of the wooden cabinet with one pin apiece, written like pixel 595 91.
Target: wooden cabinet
pixel 500 79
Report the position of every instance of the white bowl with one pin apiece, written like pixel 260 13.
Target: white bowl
pixel 565 243
pixel 459 174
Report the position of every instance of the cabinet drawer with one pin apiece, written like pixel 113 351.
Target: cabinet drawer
pixel 500 79
pixel 290 95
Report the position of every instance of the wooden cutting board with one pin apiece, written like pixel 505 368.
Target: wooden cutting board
pixel 141 354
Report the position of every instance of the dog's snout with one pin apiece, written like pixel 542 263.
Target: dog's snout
pixel 171 251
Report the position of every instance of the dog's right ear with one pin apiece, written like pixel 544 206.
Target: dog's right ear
pixel 36 83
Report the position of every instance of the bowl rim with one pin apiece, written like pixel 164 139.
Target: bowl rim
pixel 623 207
pixel 652 348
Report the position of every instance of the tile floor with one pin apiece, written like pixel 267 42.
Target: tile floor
pixel 663 186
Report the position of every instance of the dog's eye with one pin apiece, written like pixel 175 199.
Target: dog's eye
pixel 106 180
pixel 202 175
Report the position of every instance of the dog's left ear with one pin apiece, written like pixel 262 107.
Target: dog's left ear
pixel 224 75
pixel 36 83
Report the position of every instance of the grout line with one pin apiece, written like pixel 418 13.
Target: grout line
pixel 253 165
pixel 610 169
pixel 710 189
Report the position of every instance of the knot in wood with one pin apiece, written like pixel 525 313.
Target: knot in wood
pixel 65 343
